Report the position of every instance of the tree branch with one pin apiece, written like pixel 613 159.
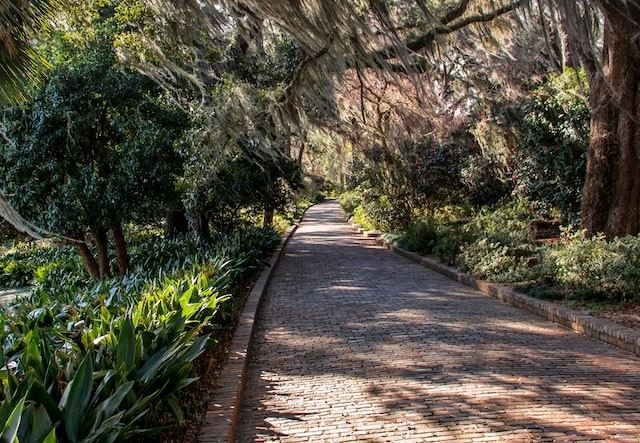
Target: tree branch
pixel 448 27
pixel 427 39
pixel 297 75
pixel 481 18
pixel 455 12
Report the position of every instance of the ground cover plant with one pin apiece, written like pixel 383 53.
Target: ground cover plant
pixel 106 361
pixel 500 243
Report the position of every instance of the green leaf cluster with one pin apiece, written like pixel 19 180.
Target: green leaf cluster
pixel 102 361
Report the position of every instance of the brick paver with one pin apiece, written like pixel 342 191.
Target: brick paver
pixel 355 343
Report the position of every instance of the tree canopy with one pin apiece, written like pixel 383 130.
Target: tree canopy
pixel 449 55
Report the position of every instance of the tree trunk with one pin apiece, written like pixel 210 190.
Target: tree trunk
pixel 88 260
pixel 568 54
pixel 611 197
pixel 176 223
pixel 121 248
pixel 100 237
pixel 268 217
pixel 203 225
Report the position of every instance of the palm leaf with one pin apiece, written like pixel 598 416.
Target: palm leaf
pixel 21 67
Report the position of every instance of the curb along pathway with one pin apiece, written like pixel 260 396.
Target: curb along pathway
pixel 354 343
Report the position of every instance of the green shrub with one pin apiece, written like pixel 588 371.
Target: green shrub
pixel 483 177
pixel 452 236
pixel 597 267
pixel 349 201
pixel 387 214
pixel 421 237
pixel 484 258
pixel 361 217
pixel 16 273
pixel 549 166
pixel 501 248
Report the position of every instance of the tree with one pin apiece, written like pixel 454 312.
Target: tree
pixel 338 36
pixel 343 36
pixel 93 149
pixel 611 198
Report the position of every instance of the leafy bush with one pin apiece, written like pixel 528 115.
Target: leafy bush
pixel 502 240
pixel 399 187
pixel 483 178
pixel 421 237
pixel 388 215
pixel 498 244
pixel 349 201
pixel 36 263
pixel 362 218
pixel 550 164
pixel 16 273
pixel 497 261
pixel 597 266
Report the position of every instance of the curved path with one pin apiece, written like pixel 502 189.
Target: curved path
pixel 356 343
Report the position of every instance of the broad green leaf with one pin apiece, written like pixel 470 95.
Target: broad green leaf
pixel 51 438
pixel 173 403
pixel 107 428
pixel 10 428
pixel 184 382
pixel 35 425
pixel 38 393
pixel 103 384
pixel 196 349
pixel 111 404
pixel 78 394
pixel 185 298
pixel 126 349
pixel 150 368
pixel 177 325
pixel 5 411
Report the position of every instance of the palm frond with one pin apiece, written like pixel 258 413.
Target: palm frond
pixel 21 67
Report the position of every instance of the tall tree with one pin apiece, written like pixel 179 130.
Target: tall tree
pixel 339 36
pixel 611 198
pixel 93 149
pixel 342 35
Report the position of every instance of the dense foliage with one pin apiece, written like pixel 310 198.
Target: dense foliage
pixel 484 201
pixel 550 164
pixel 241 186
pixel 103 361
pixel 500 244
pixel 94 149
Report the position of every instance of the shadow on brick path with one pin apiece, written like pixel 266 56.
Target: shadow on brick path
pixel 356 343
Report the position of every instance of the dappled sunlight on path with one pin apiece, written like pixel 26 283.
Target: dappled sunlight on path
pixel 356 343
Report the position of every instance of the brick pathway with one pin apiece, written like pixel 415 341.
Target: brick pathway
pixel 356 343
pixel 8 295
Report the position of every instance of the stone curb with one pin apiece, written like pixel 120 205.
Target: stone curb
pixel 589 325
pixel 221 419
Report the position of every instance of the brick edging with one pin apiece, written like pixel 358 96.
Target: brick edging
pixel 589 325
pixel 221 418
